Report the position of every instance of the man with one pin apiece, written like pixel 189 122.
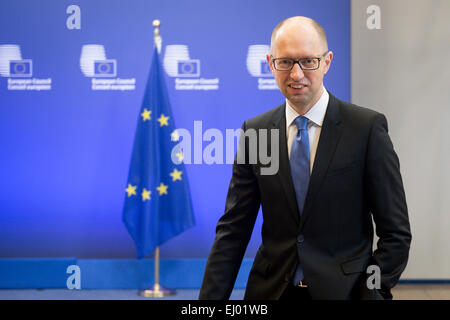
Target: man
pixel 337 170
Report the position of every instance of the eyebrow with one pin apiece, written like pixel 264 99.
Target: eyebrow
pixel 305 57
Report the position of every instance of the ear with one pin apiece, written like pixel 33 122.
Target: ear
pixel 327 61
pixel 269 61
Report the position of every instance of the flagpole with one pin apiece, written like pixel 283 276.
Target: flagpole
pixel 157 291
pixel 156 36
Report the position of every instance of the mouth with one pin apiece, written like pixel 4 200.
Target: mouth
pixel 297 86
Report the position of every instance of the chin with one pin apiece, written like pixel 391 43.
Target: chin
pixel 300 100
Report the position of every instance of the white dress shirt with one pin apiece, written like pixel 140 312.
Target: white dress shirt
pixel 315 120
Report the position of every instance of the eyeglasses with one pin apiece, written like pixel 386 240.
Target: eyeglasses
pixel 286 64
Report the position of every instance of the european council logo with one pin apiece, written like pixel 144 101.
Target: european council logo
pixel 102 71
pixel 12 64
pixel 20 71
pixel 257 64
pixel 93 62
pixel 177 62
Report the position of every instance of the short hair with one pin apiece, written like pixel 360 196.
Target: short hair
pixel 314 23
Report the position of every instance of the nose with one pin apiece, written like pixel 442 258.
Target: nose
pixel 297 72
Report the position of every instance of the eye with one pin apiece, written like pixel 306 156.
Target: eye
pixel 285 62
pixel 308 61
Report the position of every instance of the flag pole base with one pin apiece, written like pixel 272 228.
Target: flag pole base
pixel 156 291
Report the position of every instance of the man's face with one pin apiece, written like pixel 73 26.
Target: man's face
pixel 302 88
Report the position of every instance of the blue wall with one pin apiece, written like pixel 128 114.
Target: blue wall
pixel 65 152
pixel 25 273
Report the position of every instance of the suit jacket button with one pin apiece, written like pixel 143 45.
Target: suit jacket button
pixel 300 238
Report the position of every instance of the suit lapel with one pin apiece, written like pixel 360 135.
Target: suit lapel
pixel 284 172
pixel 329 137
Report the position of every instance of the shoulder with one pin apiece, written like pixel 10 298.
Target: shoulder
pixel 266 119
pixel 350 110
pixel 357 115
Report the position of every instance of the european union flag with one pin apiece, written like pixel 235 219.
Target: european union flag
pixel 157 201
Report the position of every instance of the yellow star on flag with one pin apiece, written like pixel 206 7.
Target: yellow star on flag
pixel 174 136
pixel 163 120
pixel 145 194
pixel 131 190
pixel 146 115
pixel 180 156
pixel 176 175
pixel 162 189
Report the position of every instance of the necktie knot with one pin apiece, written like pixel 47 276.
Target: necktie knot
pixel 301 122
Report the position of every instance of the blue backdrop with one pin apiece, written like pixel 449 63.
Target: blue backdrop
pixel 66 139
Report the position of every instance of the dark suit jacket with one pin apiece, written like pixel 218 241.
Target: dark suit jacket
pixel 355 178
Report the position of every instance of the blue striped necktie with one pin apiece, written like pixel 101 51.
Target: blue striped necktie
pixel 300 172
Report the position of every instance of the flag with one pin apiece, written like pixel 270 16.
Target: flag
pixel 157 198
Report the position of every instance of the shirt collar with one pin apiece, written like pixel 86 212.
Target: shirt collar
pixel 316 114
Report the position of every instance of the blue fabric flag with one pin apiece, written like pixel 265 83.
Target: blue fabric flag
pixel 157 200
